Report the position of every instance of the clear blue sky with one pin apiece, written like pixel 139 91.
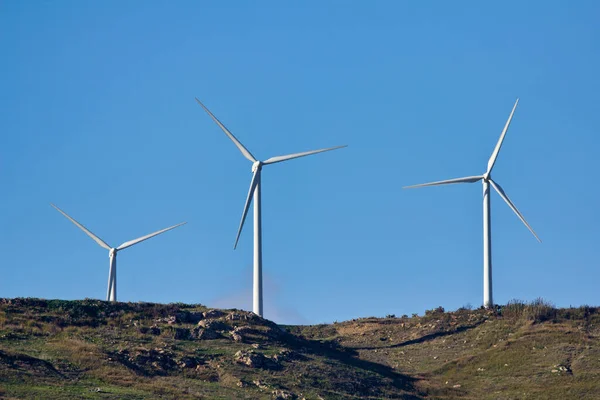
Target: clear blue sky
pixel 98 116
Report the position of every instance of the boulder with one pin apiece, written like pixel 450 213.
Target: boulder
pixel 255 360
pixel 189 317
pixel 237 334
pixel 260 384
pixel 181 334
pixel 213 325
pixel 213 314
pixel 204 333
pixel 235 316
pixel 237 337
pixel 280 394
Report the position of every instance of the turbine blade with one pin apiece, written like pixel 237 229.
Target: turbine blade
pixel 253 184
pixel 277 159
pixel 468 179
pixel 492 159
pixel 502 194
pixel 141 239
pixel 83 228
pixel 239 145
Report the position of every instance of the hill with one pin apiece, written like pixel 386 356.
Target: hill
pixel 53 349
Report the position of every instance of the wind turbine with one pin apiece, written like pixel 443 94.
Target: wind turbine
pixel 111 294
pixel 487 228
pixel 257 304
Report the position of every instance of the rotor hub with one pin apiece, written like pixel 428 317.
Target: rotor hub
pixel 257 165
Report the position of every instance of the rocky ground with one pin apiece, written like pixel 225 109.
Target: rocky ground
pixel 94 349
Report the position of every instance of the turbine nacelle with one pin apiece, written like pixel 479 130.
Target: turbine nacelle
pixel 112 252
pixel 256 166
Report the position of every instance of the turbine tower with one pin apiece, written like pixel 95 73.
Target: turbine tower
pixel 487 223
pixel 111 293
pixel 257 304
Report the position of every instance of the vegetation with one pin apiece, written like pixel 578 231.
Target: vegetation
pixel 54 349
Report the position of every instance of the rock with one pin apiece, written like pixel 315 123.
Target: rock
pixel 280 394
pixel 456 386
pixel 255 360
pixel 250 359
pixel 237 337
pixel 214 325
pixel 188 362
pixel 256 346
pixel 181 334
pixel 237 334
pixel 212 314
pixel 235 316
pixel 189 317
pixel 260 384
pixel 287 355
pixel 204 334
pixel 154 360
pixel 171 319
pixel 241 384
pixel 562 368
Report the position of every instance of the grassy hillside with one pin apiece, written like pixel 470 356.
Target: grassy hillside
pixel 53 349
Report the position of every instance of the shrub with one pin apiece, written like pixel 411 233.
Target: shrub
pixel 580 313
pixel 540 310
pixel 438 310
pixel 514 309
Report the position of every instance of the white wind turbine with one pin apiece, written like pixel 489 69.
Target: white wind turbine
pixel 111 294
pixel 257 305
pixel 487 233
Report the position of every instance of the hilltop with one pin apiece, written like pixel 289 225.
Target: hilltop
pixel 54 349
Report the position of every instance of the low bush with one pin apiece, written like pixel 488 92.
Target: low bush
pixel 538 310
